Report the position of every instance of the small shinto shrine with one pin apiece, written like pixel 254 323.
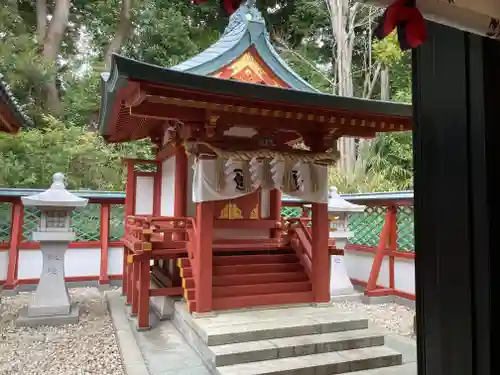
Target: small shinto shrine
pixel 11 115
pixel 234 128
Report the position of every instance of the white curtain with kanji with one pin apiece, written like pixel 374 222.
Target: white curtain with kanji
pixel 308 181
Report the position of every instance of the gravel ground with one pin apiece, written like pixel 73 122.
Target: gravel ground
pixel 391 316
pixel 86 348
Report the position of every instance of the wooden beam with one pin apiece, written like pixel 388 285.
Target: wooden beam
pixel 161 111
pixel 225 103
pixel 133 95
pixel 196 119
pixel 166 151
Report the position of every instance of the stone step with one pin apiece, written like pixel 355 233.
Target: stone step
pixel 406 369
pixel 324 363
pixel 292 326
pixel 253 351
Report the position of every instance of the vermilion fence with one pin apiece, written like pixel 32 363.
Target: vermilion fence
pixel 96 252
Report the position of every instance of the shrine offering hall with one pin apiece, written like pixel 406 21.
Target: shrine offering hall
pixel 234 129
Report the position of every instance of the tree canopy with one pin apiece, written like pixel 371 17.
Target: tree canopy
pixel 52 52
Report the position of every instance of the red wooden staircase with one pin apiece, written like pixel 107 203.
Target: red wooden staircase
pixel 251 279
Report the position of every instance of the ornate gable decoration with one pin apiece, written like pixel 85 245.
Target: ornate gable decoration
pixel 250 68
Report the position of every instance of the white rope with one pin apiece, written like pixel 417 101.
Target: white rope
pixel 329 158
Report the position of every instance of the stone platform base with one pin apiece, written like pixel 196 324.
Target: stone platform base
pixel 50 320
pixel 356 296
pixel 290 340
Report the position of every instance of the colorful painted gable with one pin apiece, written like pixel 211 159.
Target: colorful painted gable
pixel 250 68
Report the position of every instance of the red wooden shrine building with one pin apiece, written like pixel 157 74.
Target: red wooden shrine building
pixel 234 127
pixel 11 115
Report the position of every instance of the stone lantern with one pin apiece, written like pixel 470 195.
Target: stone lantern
pixel 339 210
pixel 50 303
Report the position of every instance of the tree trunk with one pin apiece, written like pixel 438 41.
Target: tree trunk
pixel 41 20
pixel 53 36
pixel 342 16
pixel 385 84
pixel 122 32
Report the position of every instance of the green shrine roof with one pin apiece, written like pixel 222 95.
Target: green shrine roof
pixel 196 82
pixel 246 28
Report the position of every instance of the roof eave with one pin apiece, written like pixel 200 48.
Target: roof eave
pixel 132 69
pixel 110 83
pixel 20 118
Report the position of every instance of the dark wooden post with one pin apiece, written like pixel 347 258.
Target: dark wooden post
pixel 456 100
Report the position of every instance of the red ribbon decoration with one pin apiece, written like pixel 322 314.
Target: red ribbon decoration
pixel 409 22
pixel 229 6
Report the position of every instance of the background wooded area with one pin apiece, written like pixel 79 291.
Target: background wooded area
pixel 52 52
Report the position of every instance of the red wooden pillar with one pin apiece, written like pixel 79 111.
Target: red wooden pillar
pixel 393 246
pixel 157 196
pixel 180 204
pixel 275 210
pixel 134 292
pixel 130 189
pixel 130 278
pixel 16 235
pixel 143 294
pixel 129 210
pixel 203 256
pixel 104 226
pixel 385 234
pixel 305 211
pixel 181 182
pixel 157 190
pixel 125 275
pixel 320 256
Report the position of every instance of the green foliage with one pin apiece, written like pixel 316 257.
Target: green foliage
pixel 391 154
pixel 20 61
pixel 30 159
pixel 166 32
pixel 384 164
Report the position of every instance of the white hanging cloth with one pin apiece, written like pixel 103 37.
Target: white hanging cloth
pixel 304 180
pixel 476 16
pixel 310 181
pixel 206 186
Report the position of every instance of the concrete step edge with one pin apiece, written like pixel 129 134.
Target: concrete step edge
pixel 404 369
pixel 254 351
pixel 328 363
pixel 286 328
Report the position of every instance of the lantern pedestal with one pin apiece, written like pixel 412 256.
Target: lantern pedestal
pixel 338 210
pixel 340 284
pixel 50 303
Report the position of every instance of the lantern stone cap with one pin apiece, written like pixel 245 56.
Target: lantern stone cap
pixel 338 204
pixel 55 196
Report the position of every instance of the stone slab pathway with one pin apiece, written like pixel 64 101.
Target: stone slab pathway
pixel 163 350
